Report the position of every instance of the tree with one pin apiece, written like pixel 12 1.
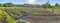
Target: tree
pixel 56 4
pixel 37 6
pixel 1 5
pixel 47 5
pixel 8 5
pixel 43 6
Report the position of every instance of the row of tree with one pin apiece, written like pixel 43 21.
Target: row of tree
pixel 27 5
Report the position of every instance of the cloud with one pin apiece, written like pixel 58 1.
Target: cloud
pixel 31 1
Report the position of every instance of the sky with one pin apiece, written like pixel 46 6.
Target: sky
pixel 29 1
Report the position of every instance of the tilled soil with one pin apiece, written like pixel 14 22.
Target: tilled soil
pixel 43 17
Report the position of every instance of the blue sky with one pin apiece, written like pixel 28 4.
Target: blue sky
pixel 29 1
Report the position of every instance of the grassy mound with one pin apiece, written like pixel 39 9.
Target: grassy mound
pixel 8 17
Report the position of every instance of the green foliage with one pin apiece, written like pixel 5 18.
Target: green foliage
pixel 1 5
pixel 8 5
pixel 8 17
pixel 46 5
pixel 56 4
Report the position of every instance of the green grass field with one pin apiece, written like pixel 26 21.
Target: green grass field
pixel 18 10
pixel 55 9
